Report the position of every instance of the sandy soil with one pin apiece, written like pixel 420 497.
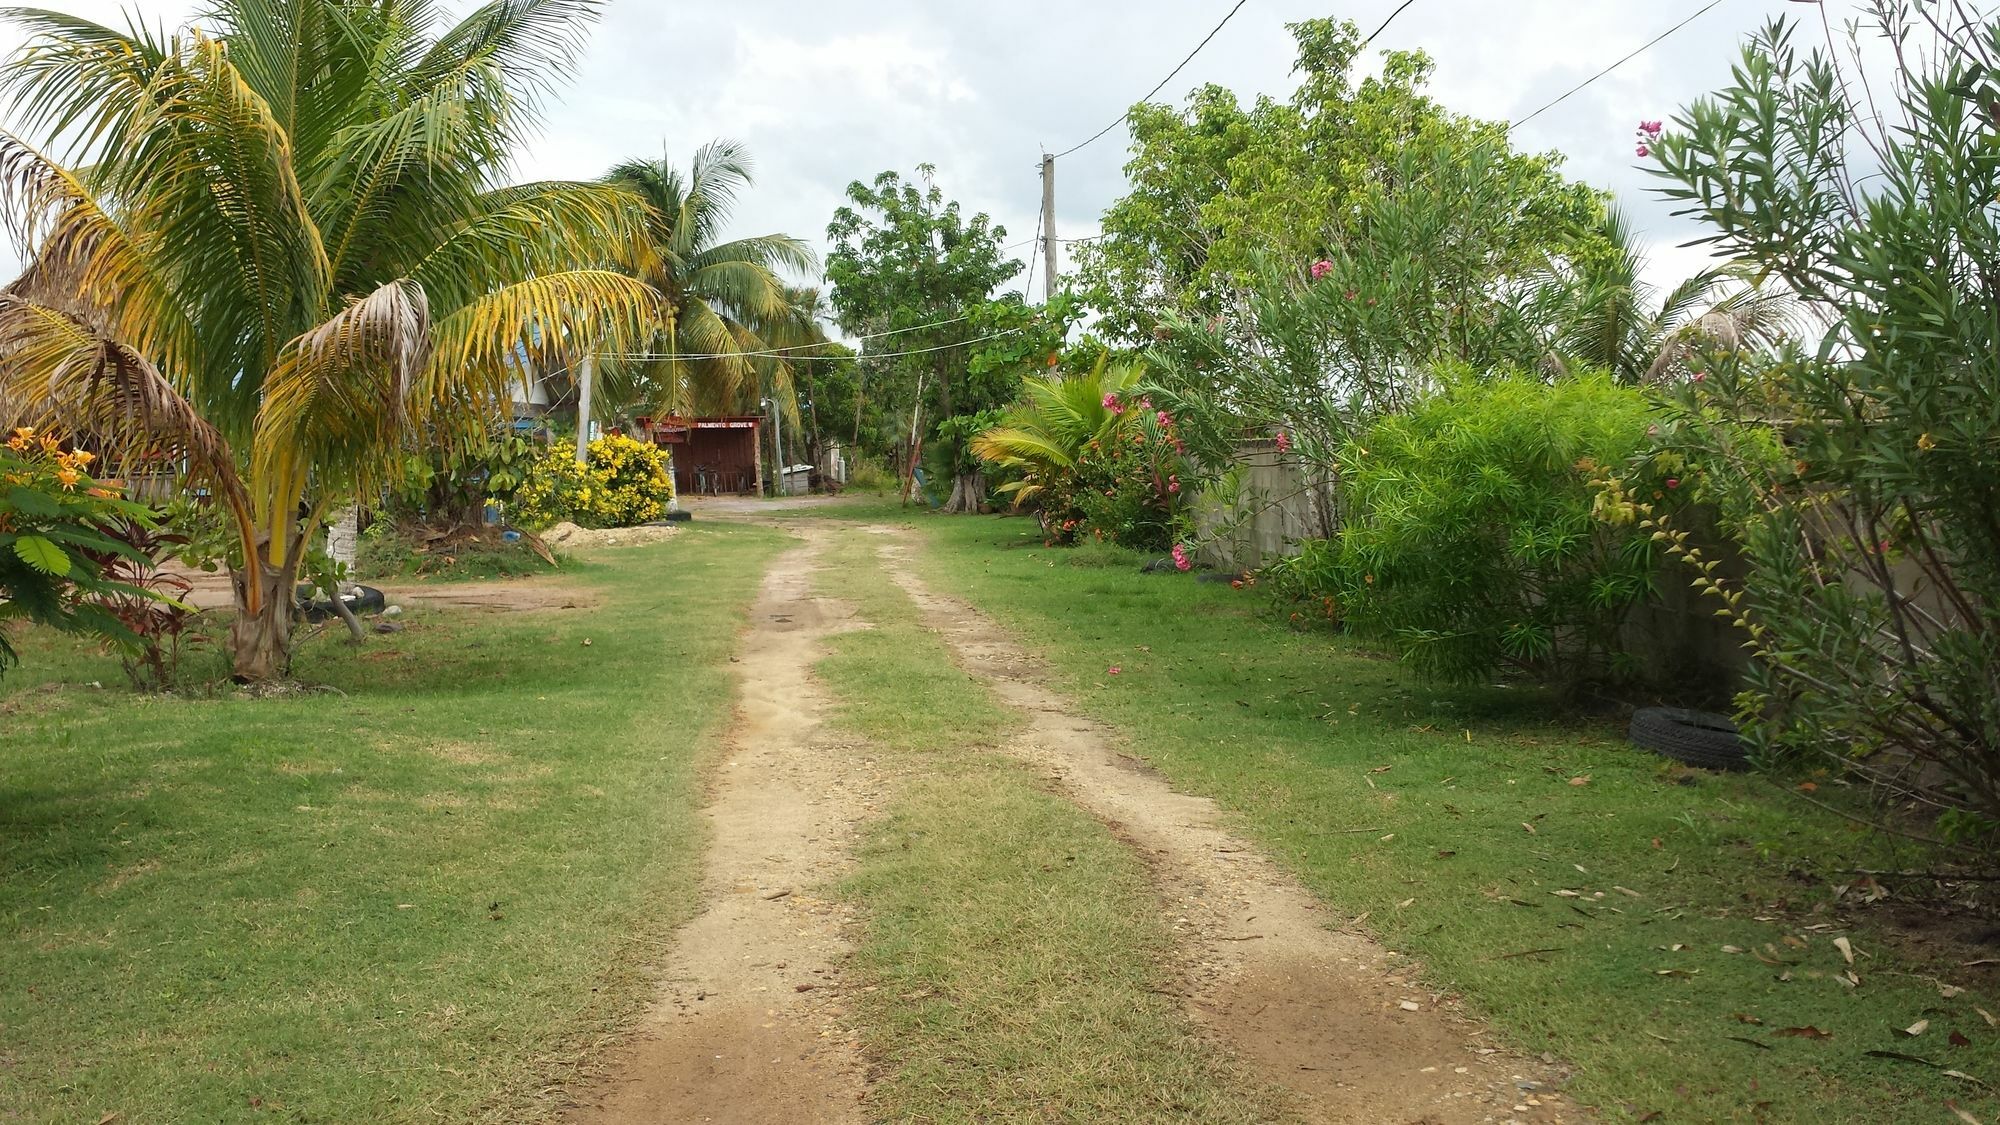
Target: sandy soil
pixel 750 1025
pixel 1328 1014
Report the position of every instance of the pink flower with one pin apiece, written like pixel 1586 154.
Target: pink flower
pixel 1113 670
pixel 1321 268
pixel 1146 403
pixel 1111 401
pixel 1642 152
pixel 1173 484
pixel 1181 560
pixel 1284 442
pixel 1350 294
pixel 1651 128
pixel 1701 376
pixel 1164 418
pixel 1673 482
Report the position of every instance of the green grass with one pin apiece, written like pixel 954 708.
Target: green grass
pixel 413 900
pixel 1451 820
pixel 1012 946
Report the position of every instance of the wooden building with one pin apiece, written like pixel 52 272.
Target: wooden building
pixel 712 456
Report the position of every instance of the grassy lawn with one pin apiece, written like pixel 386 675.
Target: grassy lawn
pixel 413 899
pixel 1012 945
pixel 1658 928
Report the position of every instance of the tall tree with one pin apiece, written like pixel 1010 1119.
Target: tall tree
pixel 907 261
pixel 282 240
pixel 727 301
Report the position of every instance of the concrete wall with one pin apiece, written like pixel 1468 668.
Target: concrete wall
pixel 1276 505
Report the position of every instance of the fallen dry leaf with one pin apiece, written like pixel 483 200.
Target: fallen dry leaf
pixel 1963 1077
pixel 1846 948
pixel 1962 1115
pixel 1745 1017
pixel 1806 1032
pixel 1530 828
pixel 1987 1016
pixel 1675 972
pixel 1982 961
pixel 1583 780
pixel 1732 949
pixel 1752 1042
pixel 1915 1029
pixel 1411 1006
pixel 1958 1040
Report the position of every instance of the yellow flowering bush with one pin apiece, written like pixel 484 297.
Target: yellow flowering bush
pixel 626 482
pixel 60 541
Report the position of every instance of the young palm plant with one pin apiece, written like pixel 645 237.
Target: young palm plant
pixel 1043 437
pixel 280 243
pixel 726 301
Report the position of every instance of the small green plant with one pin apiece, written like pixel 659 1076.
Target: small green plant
pixel 1470 542
pixel 626 483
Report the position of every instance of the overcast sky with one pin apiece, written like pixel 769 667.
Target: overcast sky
pixel 828 91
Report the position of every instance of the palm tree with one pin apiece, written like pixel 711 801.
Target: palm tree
pixel 1044 436
pixel 281 242
pixel 1620 324
pixel 727 302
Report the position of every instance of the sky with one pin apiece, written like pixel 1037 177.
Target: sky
pixel 830 91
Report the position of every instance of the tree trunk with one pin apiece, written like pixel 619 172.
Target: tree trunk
pixel 968 494
pixel 260 643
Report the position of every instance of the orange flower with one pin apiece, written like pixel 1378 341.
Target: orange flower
pixel 69 478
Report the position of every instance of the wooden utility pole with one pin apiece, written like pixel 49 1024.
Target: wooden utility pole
pixel 1048 225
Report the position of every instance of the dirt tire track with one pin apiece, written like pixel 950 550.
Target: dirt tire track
pixel 1317 1011
pixel 749 1026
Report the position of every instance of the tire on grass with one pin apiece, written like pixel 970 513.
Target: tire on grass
pixel 1698 738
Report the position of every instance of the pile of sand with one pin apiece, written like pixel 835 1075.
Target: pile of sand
pixel 569 536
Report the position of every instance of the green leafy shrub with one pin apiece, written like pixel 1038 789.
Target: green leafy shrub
pixel 627 482
pixel 59 542
pixel 451 486
pixel 1470 542
pixel 1860 471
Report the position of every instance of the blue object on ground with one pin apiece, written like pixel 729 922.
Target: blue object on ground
pixel 510 537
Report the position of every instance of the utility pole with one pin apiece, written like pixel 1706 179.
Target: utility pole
pixel 1049 225
pixel 778 443
pixel 585 372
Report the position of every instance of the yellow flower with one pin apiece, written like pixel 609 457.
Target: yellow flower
pixel 69 478
pixel 1926 444
pixel 83 458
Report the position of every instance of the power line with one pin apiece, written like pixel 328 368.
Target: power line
pixel 1387 22
pixel 1028 283
pixel 1163 82
pixel 1704 10
pixel 880 355
pixel 784 351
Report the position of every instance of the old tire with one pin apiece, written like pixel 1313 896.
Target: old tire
pixel 362 600
pixel 1698 738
